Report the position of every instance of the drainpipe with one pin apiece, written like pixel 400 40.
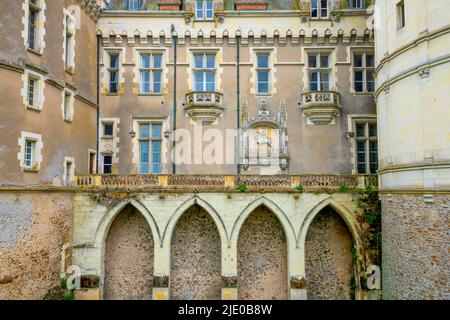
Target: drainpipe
pixel 238 99
pixel 97 148
pixel 174 41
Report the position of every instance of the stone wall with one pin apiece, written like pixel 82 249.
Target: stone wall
pixel 129 258
pixel 195 251
pixel 329 266
pixel 262 258
pixel 33 229
pixel 415 247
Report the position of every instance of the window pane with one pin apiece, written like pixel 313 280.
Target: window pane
pixel 107 164
pixel 370 82
pixel 210 61
pixel 324 8
pixel 324 61
pixel 263 82
pixel 209 9
pixel 198 81
pixel 313 81
pixel 200 9
pixel 145 82
pixel 324 81
pixel 198 61
pixel 358 60
pixel 144 156
pixel 156 131
pixel 263 61
pixel 372 130
pixel 210 81
pixel 157 59
pixel 144 131
pixel 370 60
pixel 156 157
pixel 359 83
pixel 314 8
pixel 312 61
pixel 361 168
pixel 114 63
pixel 108 129
pixel 145 61
pixel 360 130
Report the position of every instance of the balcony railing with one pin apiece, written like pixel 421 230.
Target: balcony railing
pixel 224 183
pixel 204 107
pixel 321 107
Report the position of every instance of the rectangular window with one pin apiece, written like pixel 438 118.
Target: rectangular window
pixel 263 73
pixel 151 73
pixel 401 14
pixel 319 71
pixel 205 72
pixel 29 156
pixel 34 12
pixel 356 4
pixel 108 129
pixel 113 73
pixel 364 67
pixel 204 9
pixel 92 162
pixel 107 164
pixel 70 43
pixel 67 105
pixel 31 93
pixel 133 4
pixel 366 148
pixel 68 177
pixel 319 8
pixel 150 141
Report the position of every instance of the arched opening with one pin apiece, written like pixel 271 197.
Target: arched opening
pixel 262 257
pixel 129 257
pixel 195 257
pixel 328 258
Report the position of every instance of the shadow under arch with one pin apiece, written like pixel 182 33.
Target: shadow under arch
pixel 275 209
pixel 195 200
pixel 347 215
pixel 104 225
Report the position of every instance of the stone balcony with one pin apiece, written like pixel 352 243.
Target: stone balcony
pixel 204 107
pixel 226 183
pixel 321 107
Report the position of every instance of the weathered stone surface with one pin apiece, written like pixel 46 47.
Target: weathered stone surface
pixel 195 252
pixel 329 267
pixel 262 258
pixel 129 258
pixel 415 247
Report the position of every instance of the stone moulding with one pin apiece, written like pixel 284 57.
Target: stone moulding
pixel 321 108
pixel 204 107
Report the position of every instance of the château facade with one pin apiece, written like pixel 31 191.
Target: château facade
pixel 194 150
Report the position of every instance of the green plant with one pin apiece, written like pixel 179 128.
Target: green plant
pixel 242 187
pixel 300 188
pixel 70 296
pixel 354 254
pixel 317 193
pixel 63 283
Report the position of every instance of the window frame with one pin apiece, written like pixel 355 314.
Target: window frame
pixel 32 154
pixel 151 70
pixel 35 10
pixel 104 124
pixel 150 140
pixel 204 10
pixel 205 70
pixel 318 69
pixel 69 42
pixel 401 14
pixel 115 70
pixel 367 139
pixel 259 70
pixel 110 165
pixel 353 4
pixel 366 71
pixel 319 9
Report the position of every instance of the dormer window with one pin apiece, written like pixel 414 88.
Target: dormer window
pixel 133 5
pixel 204 9
pixel 319 9
pixel 356 4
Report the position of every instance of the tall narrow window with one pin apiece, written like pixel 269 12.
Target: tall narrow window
pixel 34 12
pixel 319 8
pixel 92 162
pixel 151 72
pixel 107 164
pixel 66 105
pixel 364 67
pixel 205 72
pixel 108 129
pixel 150 140
pixel 401 14
pixel 68 102
pixel 31 92
pixel 263 73
pixel 113 73
pixel 69 43
pixel 366 148
pixel 204 9
pixel 319 71
pixel 133 5
pixel 29 155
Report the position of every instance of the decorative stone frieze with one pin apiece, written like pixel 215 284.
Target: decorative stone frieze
pixel 322 107
pixel 204 107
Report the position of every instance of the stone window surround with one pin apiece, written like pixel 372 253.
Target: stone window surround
pixel 40 22
pixel 365 51
pixel 37 138
pixel 71 174
pixel 192 51
pixel 104 64
pixel 94 169
pixel 319 10
pixel 113 140
pixel 39 89
pixel 68 92
pixel 272 52
pixel 164 141
pixel 136 69
pixel 70 65
pixel 352 120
